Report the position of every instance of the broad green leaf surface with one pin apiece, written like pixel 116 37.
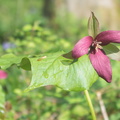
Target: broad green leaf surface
pixel 93 25
pixel 54 69
pixel 2 101
pixel 112 51
pixel 76 76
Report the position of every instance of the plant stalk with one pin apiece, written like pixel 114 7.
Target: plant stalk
pixel 90 105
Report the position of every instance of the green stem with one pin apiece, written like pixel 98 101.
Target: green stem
pixel 90 105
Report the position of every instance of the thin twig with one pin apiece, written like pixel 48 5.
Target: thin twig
pixel 102 106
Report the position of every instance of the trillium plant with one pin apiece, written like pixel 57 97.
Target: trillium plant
pixel 76 70
pixel 93 46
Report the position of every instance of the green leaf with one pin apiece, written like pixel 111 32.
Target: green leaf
pixel 54 69
pixel 10 59
pixel 2 102
pixel 112 51
pixel 25 64
pixel 93 25
pixel 78 75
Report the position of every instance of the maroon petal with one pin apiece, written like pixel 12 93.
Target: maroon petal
pixel 82 47
pixel 109 36
pixel 101 64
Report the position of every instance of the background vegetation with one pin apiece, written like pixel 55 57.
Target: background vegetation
pixel 34 27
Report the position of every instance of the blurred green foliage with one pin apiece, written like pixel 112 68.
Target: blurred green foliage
pixel 35 39
pixel 2 101
pixel 16 13
pixel 18 27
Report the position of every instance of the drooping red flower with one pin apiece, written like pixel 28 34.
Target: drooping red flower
pixel 93 47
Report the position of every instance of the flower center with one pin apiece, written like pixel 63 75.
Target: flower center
pixel 96 45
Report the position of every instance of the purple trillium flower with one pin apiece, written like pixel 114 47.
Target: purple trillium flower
pixel 93 47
